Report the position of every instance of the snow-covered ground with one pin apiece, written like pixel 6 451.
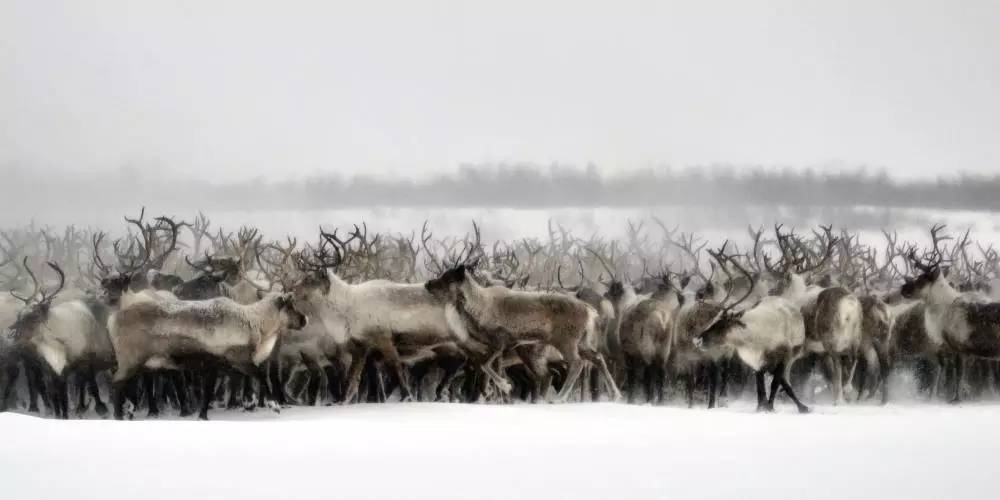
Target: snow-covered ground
pixel 463 451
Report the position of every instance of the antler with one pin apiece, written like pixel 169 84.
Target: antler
pixel 47 297
pixel 935 258
pixel 687 244
pixel 27 300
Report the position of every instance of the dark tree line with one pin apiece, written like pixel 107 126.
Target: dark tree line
pixel 516 185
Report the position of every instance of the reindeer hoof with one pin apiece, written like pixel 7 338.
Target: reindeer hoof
pixel 804 409
pixel 203 416
pixel 102 409
pixel 954 401
pixel 273 406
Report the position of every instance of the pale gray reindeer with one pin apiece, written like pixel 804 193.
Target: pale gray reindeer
pixel 513 318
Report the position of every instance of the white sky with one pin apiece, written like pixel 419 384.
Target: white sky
pixel 243 88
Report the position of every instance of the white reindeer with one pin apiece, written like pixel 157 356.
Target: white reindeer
pixel 767 337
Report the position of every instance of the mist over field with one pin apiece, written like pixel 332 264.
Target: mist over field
pixel 508 186
pixel 518 201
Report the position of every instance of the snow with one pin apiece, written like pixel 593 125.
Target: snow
pixel 464 451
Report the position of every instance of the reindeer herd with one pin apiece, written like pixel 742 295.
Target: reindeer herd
pixel 183 315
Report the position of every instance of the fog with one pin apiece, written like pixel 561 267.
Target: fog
pixel 229 91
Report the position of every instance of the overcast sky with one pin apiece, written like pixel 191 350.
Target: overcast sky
pixel 244 88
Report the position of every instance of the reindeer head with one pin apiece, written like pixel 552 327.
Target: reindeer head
pixel 929 267
pixel 37 305
pixel 285 303
pixel 445 287
pixel 714 335
pixel 314 265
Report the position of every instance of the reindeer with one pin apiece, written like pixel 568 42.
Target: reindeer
pixel 507 318
pixel 833 314
pixel 968 323
pixel 374 315
pixel 171 335
pixel 69 337
pixel 767 337
pixel 696 312
pixel 646 336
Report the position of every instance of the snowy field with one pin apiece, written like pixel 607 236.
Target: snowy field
pixel 464 451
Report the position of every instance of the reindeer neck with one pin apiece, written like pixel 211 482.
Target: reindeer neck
pixel 796 289
pixel 941 292
pixel 265 310
pixel 339 289
pixel 473 297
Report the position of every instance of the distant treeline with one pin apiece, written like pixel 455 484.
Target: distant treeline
pixel 527 186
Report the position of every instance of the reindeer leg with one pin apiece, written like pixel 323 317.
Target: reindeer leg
pixel 647 380
pixel 36 386
pixel 334 382
pixel 661 379
pixel 959 373
pixel 836 376
pixel 81 391
pixel 573 373
pixel 11 372
pixel 631 377
pixel 596 358
pixel 871 367
pixel 885 369
pixel 392 362
pixel 761 391
pixel 689 380
pixel 119 383
pixel 234 384
pixel 724 374
pixel 208 389
pixel 176 379
pixel 258 374
pixel 324 385
pixel 313 387
pixel 494 376
pixel 149 386
pixel 713 384
pixel 782 375
pixel 358 355
pixel 451 362
pixel 275 379
pixel 595 388
pixel 937 366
